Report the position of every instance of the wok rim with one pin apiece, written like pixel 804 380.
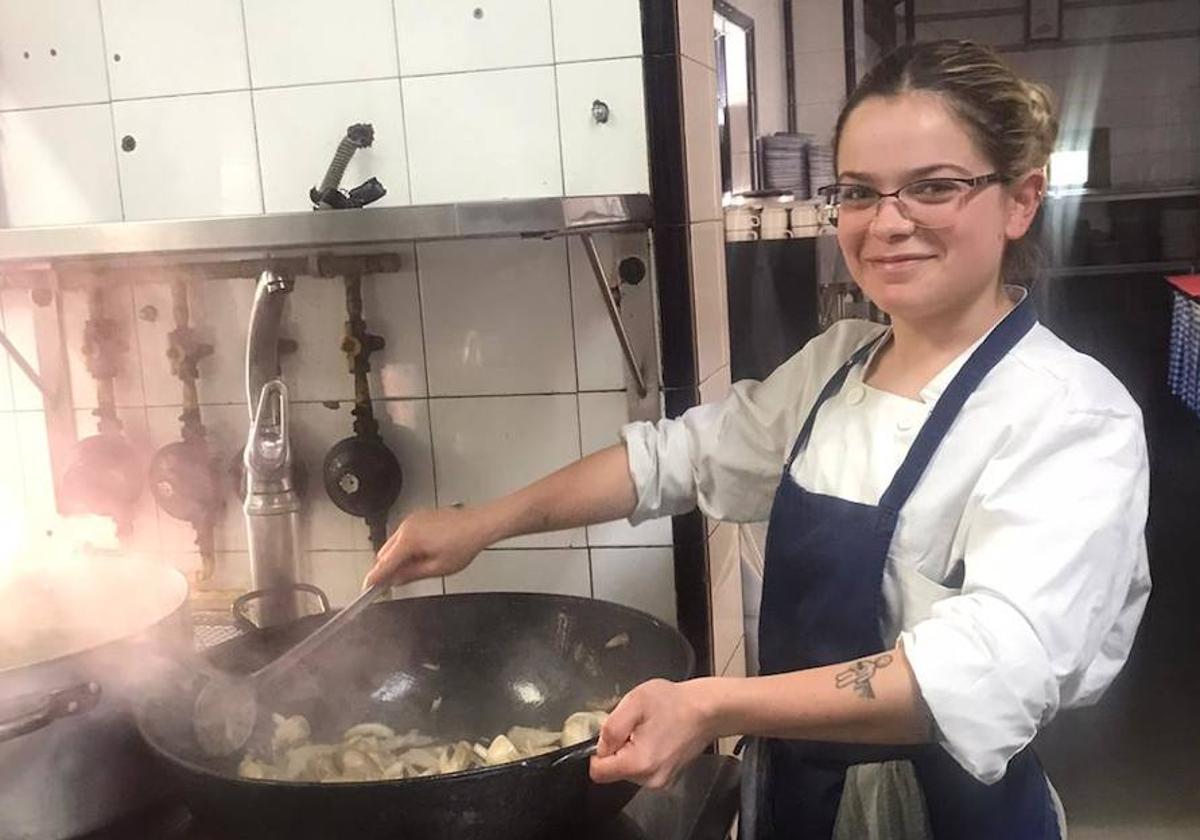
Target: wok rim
pixel 535 762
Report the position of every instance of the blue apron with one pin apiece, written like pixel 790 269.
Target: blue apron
pixel 823 604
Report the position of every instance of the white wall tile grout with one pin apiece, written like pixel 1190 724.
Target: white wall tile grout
pixel 407 166
pixel 262 197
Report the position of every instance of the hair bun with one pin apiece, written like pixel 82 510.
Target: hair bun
pixel 1043 123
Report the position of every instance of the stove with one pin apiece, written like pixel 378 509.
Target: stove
pixel 700 806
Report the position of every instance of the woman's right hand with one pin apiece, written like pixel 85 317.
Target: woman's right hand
pixel 430 543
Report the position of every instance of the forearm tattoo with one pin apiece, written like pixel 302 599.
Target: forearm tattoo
pixel 859 675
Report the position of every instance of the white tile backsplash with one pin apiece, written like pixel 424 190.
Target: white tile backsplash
pixel 700 140
pixel 601 416
pixel 340 575
pixel 214 304
pixel 561 571
pixel 591 29
pixel 12 486
pixel 36 474
pixel 315 319
pixel 725 578
pixel 642 578
pixel 452 36
pixel 497 317
pixel 697 38
pixel 6 394
pixel 483 136
pixel 53 57
pixel 170 47
pixel 194 156
pixel 341 42
pixel 606 155
pixel 57 167
pixel 709 302
pixel 299 129
pixel 392 309
pixel 469 449
pixel 485 447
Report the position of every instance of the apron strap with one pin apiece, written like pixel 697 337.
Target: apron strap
pixel 831 387
pixel 1004 337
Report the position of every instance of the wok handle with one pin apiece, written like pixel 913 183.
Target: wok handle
pixel 583 751
pixel 247 625
pixel 65 702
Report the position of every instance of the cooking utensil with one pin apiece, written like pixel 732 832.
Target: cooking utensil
pixel 362 476
pixel 79 641
pixel 227 709
pixel 463 666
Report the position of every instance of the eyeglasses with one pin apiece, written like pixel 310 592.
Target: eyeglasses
pixel 927 203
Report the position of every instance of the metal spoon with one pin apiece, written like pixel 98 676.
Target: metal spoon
pixel 226 708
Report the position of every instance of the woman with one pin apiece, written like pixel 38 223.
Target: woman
pixel 956 546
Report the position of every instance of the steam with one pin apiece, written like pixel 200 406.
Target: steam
pixel 66 587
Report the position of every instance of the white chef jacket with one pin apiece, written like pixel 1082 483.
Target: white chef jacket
pixel 1018 572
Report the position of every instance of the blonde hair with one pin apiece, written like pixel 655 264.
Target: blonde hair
pixel 1011 118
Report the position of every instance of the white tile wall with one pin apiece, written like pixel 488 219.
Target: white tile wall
pixel 696 31
pixel 709 301
pixel 171 47
pixel 341 42
pixel 232 113
pixel 484 447
pixel 58 167
pixel 55 57
pixel 609 156
pixel 410 67
pixel 451 448
pixel 194 156
pixel 725 574
pixel 497 317
pixel 513 114
pixel 589 29
pixel 456 35
pixel 643 578
pixel 561 571
pixel 340 573
pixel 700 140
pixel 299 129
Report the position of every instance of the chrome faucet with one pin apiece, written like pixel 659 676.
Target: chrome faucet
pixel 272 506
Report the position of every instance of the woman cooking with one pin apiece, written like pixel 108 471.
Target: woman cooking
pixel 956 502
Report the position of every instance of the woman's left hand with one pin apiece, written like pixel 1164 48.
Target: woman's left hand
pixel 654 732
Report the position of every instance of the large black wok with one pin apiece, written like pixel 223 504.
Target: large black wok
pixel 493 659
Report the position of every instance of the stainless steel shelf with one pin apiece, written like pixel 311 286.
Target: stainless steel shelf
pixel 343 230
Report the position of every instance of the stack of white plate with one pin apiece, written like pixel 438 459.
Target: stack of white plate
pixel 785 164
pixel 820 167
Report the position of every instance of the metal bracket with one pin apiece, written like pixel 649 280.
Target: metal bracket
pixel 23 364
pixel 614 312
